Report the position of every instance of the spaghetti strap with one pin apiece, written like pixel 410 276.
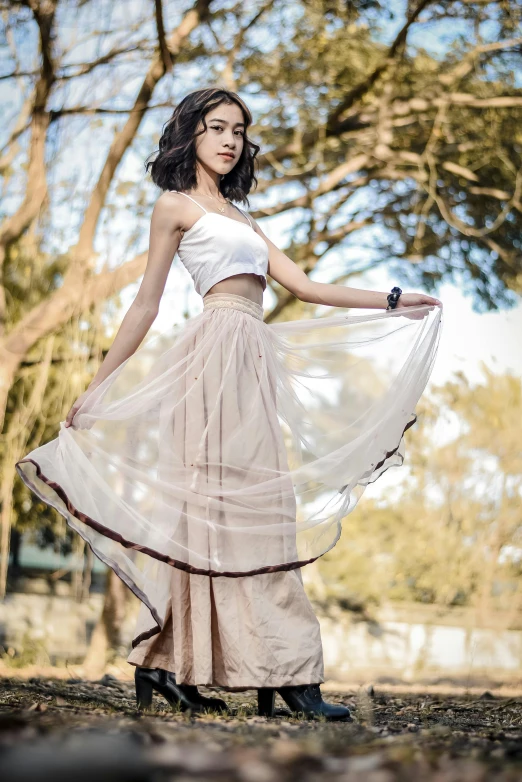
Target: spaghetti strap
pixel 192 199
pixel 247 217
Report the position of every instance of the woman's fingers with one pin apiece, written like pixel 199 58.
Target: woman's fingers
pixel 70 415
pixel 414 299
pixel 75 408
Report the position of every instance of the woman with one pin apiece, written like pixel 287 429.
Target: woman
pixel 208 465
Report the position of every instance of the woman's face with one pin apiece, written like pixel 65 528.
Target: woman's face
pixel 220 146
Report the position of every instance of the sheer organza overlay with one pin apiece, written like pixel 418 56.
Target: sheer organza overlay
pixel 232 447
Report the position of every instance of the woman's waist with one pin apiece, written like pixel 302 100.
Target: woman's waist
pixel 235 301
pixel 247 285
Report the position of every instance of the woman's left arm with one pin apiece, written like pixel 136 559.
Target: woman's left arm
pixel 288 274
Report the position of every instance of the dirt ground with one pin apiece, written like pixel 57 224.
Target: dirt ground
pixel 59 729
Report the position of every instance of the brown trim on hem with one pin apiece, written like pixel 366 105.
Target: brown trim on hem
pixel 117 538
pixel 388 454
pixel 145 636
pixel 109 562
pixel 95 525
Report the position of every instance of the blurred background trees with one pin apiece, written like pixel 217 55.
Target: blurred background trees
pixel 390 136
pixel 452 536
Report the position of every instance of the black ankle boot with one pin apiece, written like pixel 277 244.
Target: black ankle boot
pixel 305 699
pixel 149 679
pixel 194 696
pixel 186 697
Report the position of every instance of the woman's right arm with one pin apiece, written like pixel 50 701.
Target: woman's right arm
pixel 163 242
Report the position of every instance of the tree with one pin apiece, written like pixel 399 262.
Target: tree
pixel 80 285
pixel 50 378
pixel 452 536
pixel 393 154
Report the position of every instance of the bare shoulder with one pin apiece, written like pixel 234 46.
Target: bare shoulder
pixel 169 211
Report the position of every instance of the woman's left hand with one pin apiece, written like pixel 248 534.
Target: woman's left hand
pixel 407 300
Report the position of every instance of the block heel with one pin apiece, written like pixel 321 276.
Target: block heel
pixel 266 701
pixel 143 692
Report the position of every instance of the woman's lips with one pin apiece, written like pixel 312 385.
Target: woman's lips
pixel 225 154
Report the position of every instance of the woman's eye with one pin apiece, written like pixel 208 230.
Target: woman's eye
pixel 217 127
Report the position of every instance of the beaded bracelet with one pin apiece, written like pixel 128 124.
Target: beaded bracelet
pixel 393 298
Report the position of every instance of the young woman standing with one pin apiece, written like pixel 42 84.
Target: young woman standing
pixel 206 466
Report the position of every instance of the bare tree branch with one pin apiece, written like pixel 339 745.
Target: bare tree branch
pixel 105 59
pixel 162 43
pixel 10 148
pixel 364 86
pixel 495 102
pixel 227 73
pixel 327 185
pixel 17 74
pixel 71 298
pixel 73 110
pixel 338 121
pixel 82 69
pixel 36 190
pixel 73 295
pixel 126 135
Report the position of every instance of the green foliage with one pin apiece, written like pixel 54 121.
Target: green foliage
pixel 437 136
pixel 55 372
pixel 454 535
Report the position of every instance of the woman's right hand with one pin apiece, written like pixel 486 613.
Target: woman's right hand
pixel 76 406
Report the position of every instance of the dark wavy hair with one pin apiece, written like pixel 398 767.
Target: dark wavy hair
pixel 174 167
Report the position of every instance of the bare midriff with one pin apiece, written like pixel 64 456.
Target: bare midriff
pixel 247 285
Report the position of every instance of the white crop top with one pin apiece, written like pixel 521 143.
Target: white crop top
pixel 217 247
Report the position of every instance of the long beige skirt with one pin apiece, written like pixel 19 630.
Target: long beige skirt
pixel 222 457
pixel 237 633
